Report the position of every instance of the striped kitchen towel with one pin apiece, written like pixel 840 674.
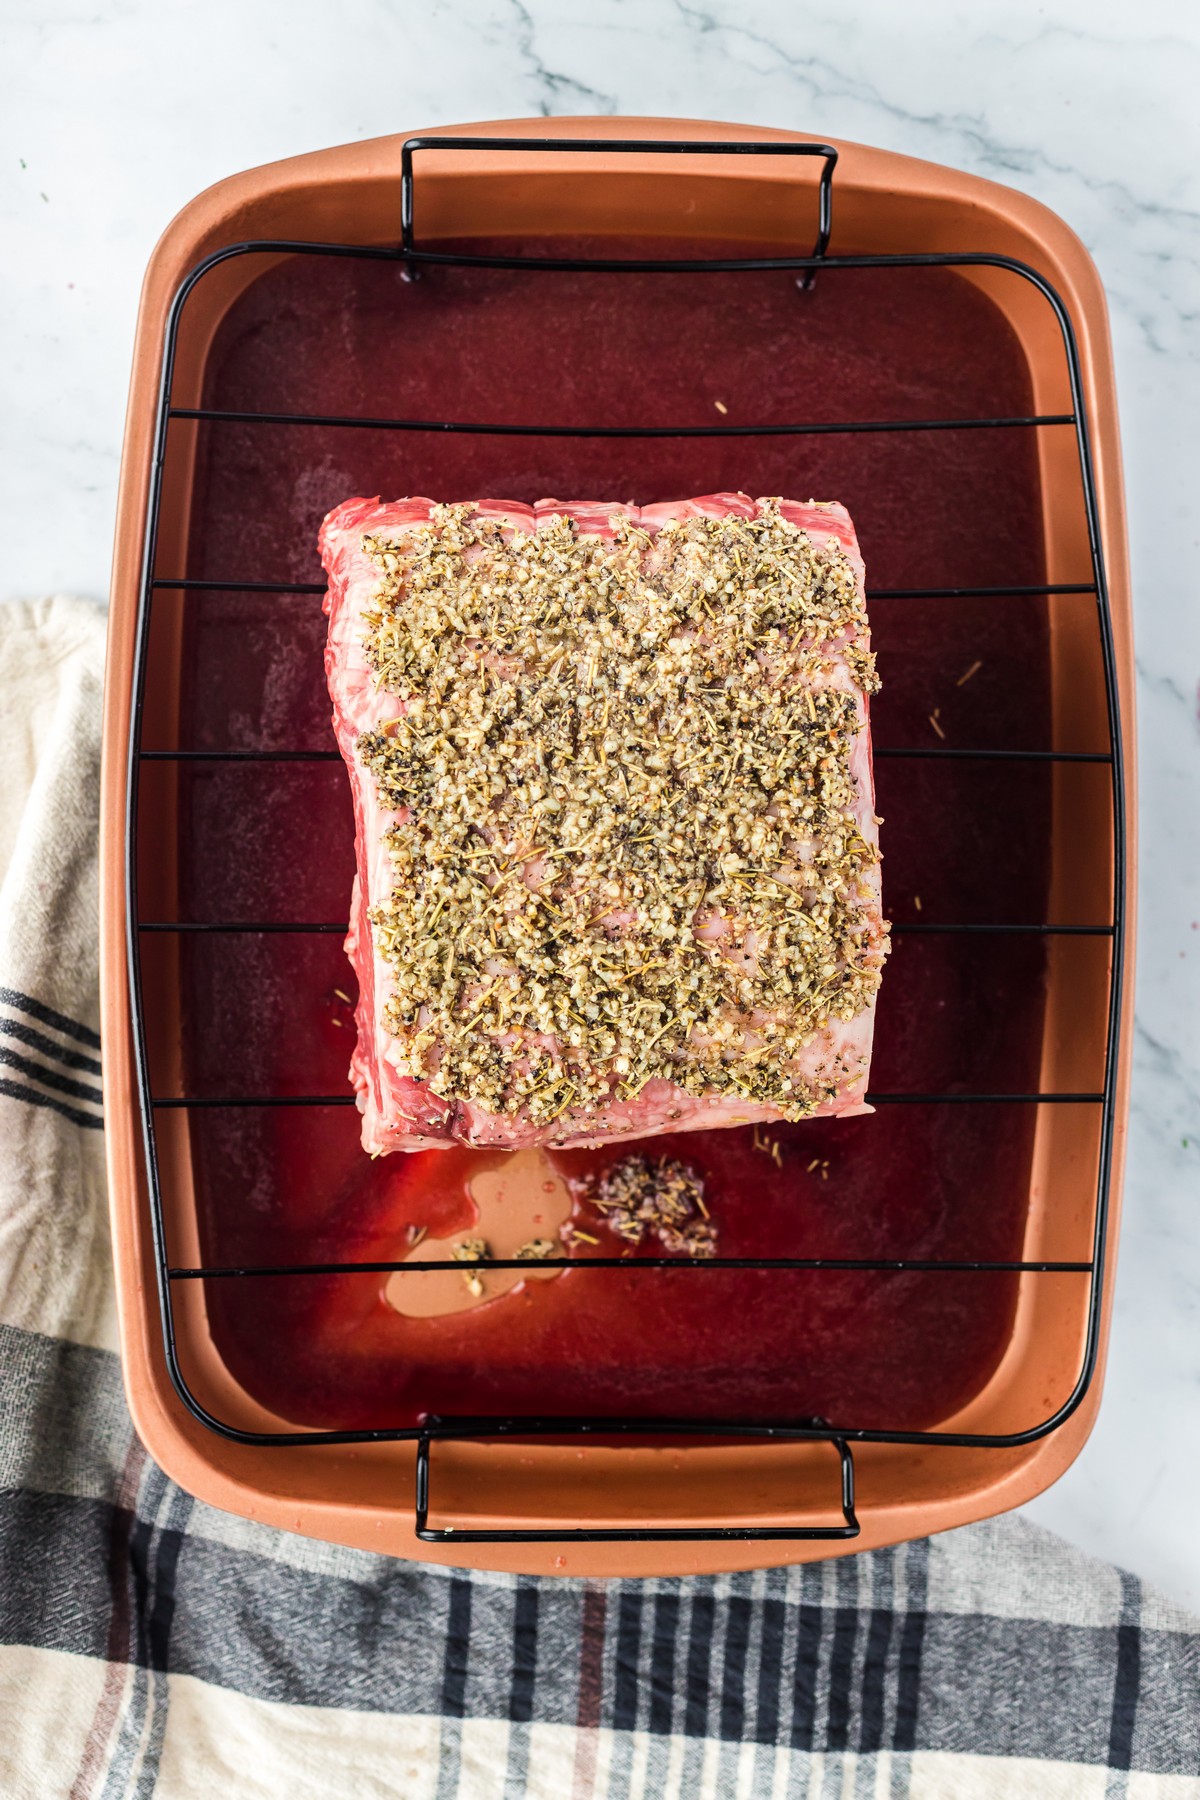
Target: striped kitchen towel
pixel 152 1646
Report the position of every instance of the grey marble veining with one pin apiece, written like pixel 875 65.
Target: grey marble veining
pixel 112 117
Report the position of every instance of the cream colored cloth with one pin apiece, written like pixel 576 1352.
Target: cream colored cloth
pixel 54 1249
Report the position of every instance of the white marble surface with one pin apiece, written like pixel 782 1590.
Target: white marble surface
pixel 113 115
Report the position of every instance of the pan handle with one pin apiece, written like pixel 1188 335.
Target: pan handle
pixel 618 147
pixel 630 1534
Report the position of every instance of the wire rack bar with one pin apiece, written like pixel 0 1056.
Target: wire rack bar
pixel 1011 591
pixel 868 1265
pixel 1025 590
pixel 210 415
pixel 301 928
pixel 182 1102
pixel 956 753
pixel 914 752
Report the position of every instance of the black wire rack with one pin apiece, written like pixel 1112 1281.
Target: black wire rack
pixel 840 1437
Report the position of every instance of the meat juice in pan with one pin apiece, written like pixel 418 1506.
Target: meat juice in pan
pixel 962 841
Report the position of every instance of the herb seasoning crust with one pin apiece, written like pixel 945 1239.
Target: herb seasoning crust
pixel 618 862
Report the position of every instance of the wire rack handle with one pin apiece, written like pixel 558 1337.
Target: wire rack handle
pixel 620 147
pixel 562 1534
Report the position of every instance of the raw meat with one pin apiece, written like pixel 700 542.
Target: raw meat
pixel 755 1001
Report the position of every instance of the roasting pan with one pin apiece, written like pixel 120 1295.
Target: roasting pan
pixel 931 349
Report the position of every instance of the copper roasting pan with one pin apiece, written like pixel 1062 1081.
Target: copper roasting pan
pixel 661 1500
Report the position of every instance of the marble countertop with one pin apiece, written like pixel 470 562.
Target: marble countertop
pixel 113 116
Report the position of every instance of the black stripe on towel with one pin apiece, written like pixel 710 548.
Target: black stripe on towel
pixel 738 1613
pixel 1128 1678
pixel 629 1644
pixel 905 1734
pixel 47 1015
pixel 841 1657
pixel 773 1624
pixel 524 1654
pixel 874 1678
pixel 17 1090
pixel 458 1648
pixel 699 1662
pixel 37 1040
pixel 63 1084
pixel 662 1662
pixel 804 1675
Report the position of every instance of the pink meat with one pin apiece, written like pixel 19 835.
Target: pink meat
pixel 399 1113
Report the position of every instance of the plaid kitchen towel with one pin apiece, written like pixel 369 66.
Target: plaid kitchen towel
pixel 152 1646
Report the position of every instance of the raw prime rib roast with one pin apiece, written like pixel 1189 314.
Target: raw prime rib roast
pixel 618 864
